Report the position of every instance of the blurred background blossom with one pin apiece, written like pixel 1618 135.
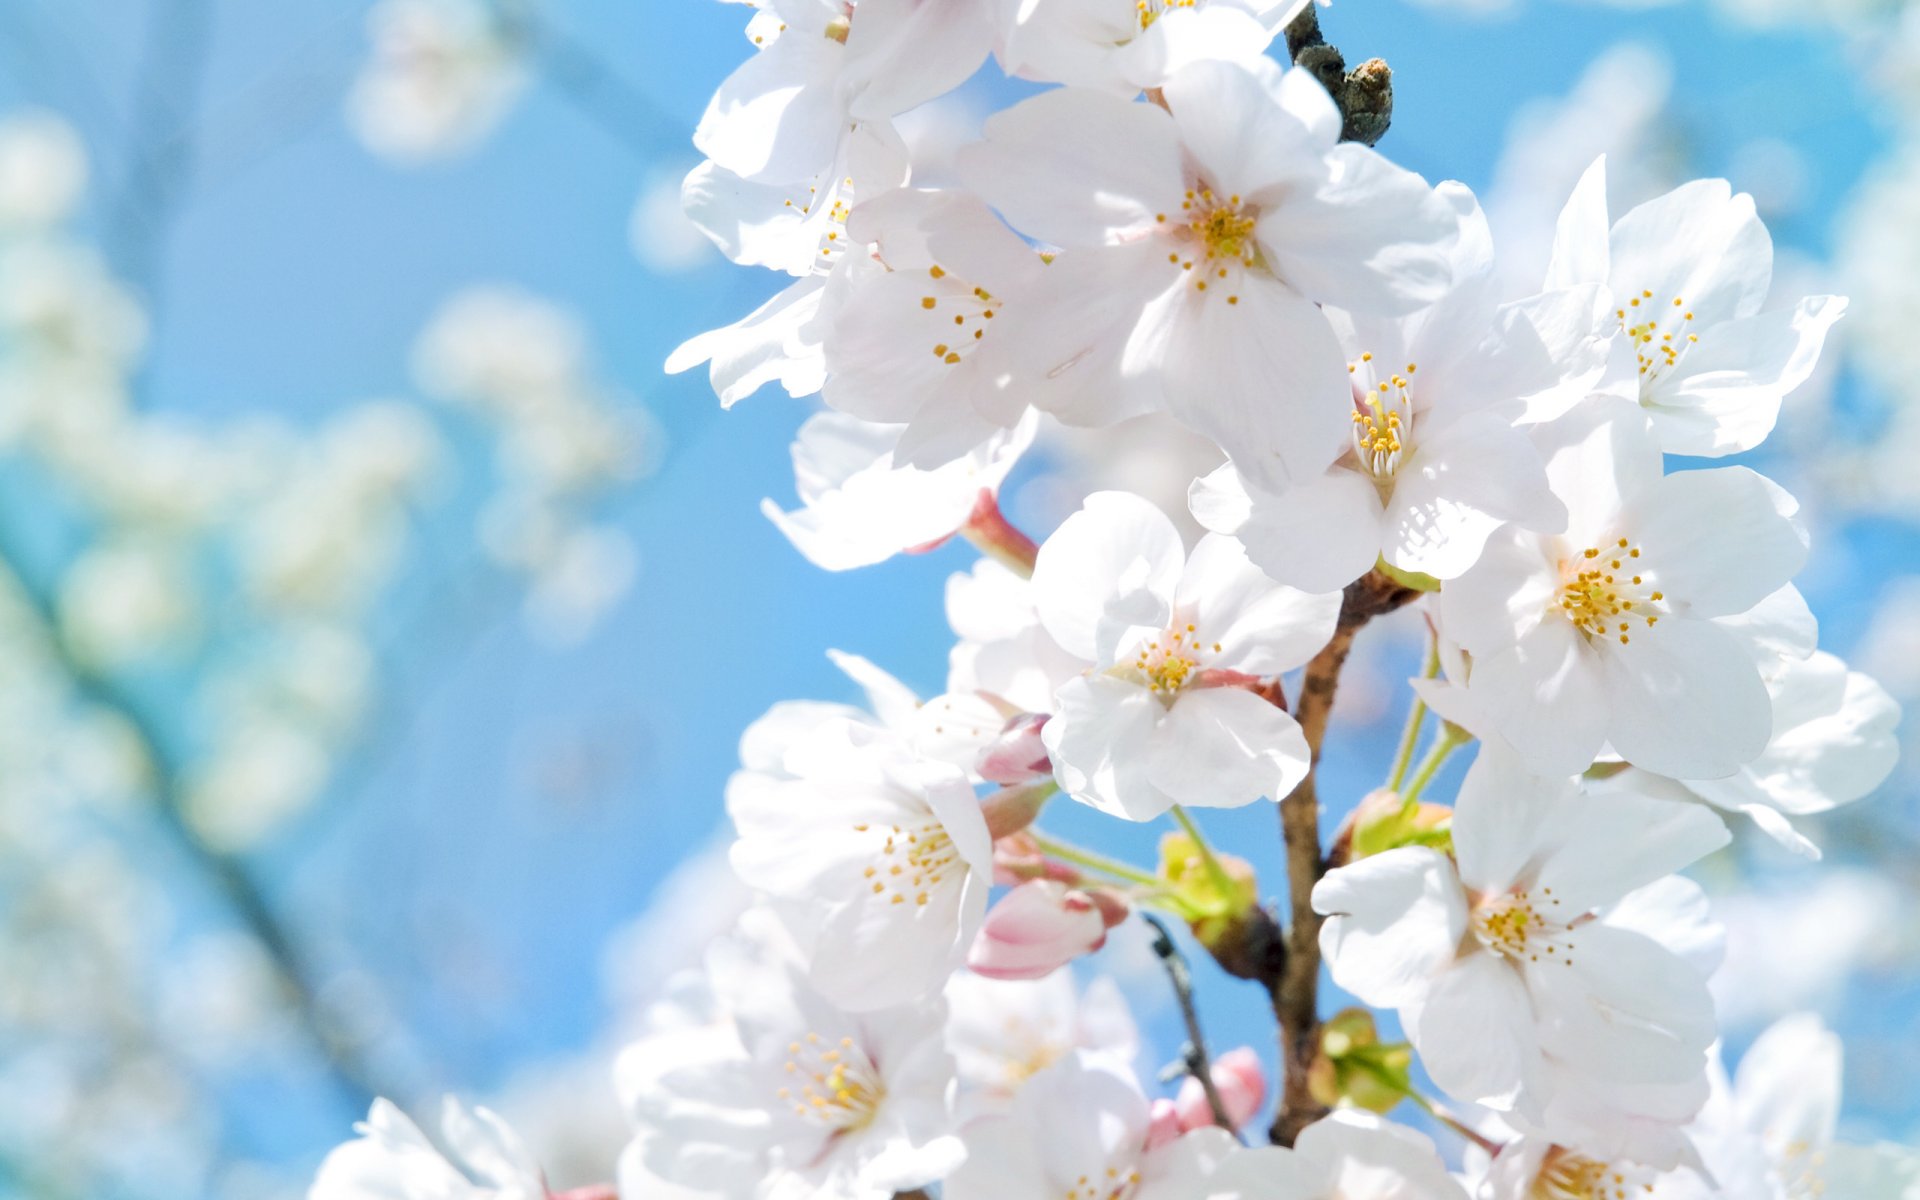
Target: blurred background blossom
pixel 377 622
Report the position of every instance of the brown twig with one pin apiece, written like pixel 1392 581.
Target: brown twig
pixel 1364 94
pixel 1194 1054
pixel 1296 999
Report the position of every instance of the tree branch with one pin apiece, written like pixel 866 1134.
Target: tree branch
pixel 1296 999
pixel 1364 94
pixel 1198 1063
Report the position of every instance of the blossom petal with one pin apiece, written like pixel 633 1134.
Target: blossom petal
pixel 1685 701
pixel 1224 747
pixel 1394 922
pixel 1117 555
pixel 1077 168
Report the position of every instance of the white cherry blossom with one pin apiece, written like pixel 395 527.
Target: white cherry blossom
pixel 1688 274
pixel 393 1160
pixel 787 1096
pixel 1005 1031
pixel 1617 631
pixel 1435 464
pixel 877 859
pixel 860 506
pixel 442 75
pixel 1196 244
pixel 1518 970
pixel 1161 719
pixel 1079 1129
pixel 824 67
pixel 1124 46
pixel 915 343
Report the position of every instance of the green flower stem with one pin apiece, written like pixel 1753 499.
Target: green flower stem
pixel 1451 738
pixel 1222 882
pixel 1067 852
pixel 1410 736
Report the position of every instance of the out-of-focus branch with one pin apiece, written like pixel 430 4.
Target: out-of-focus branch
pixel 160 159
pixel 1296 1000
pixel 357 1082
pixel 1364 94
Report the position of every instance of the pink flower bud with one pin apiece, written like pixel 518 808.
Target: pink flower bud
pixel 1163 1124
pixel 1017 755
pixel 1018 858
pixel 1241 1082
pixel 1036 928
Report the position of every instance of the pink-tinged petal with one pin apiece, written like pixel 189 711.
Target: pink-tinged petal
pixel 1618 1006
pixel 1684 700
pixel 1118 554
pixel 1505 817
pixel 1252 365
pixel 1717 541
pixel 1546 698
pixel 1475 1033
pixel 1458 487
pixel 1319 536
pixel 1503 597
pixel 1724 395
pixel 1580 245
pixel 1700 244
pixel 1098 741
pixel 1394 923
pixel 1223 747
pixel 1372 237
pixel 1241 1083
pixel 1034 930
pixel 1077 168
pixel 1260 627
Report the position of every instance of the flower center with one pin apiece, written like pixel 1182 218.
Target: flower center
pixel 1150 11
pixel 970 311
pixel 1168 663
pixel 1114 1183
pixel 1382 418
pixel 832 1083
pixel 1512 927
pixel 1656 347
pixel 838 28
pixel 908 862
pixel 1567 1175
pixel 1213 238
pixel 1605 592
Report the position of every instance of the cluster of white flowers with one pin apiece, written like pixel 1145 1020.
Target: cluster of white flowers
pixel 1177 228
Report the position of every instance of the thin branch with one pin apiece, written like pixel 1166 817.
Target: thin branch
pixel 1199 1064
pixel 1296 1000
